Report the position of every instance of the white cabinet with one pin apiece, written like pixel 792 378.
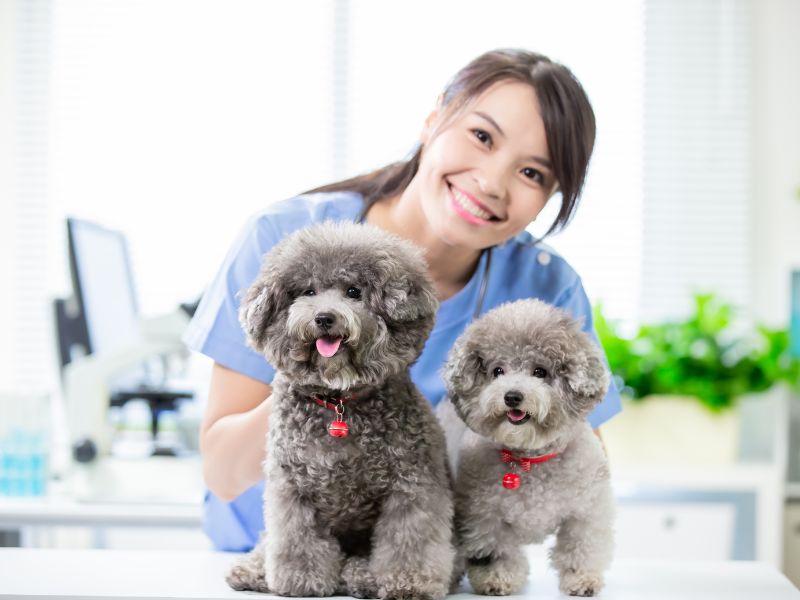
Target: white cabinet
pixel 690 531
pixel 719 512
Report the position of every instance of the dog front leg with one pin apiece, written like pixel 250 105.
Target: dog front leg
pixel 494 572
pixel 413 555
pixel 583 551
pixel 301 558
pixel 247 573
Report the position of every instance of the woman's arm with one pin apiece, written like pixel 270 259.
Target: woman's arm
pixel 234 432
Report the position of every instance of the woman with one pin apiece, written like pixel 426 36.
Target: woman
pixel 510 131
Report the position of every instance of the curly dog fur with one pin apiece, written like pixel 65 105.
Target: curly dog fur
pixel 524 377
pixel 340 309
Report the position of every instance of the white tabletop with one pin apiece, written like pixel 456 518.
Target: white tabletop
pixel 114 574
pixel 51 510
pixel 153 492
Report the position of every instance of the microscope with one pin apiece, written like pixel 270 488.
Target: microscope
pixel 104 344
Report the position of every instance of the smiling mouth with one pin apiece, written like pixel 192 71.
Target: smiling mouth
pixel 517 417
pixel 468 209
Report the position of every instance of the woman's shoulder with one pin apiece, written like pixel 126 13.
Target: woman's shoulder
pixel 535 267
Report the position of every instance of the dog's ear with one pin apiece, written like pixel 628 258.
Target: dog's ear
pixel 261 304
pixel 422 302
pixel 409 297
pixel 585 373
pixel 461 373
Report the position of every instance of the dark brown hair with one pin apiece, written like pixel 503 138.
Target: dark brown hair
pixel 565 109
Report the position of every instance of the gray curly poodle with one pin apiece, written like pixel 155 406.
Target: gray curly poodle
pixel 523 378
pixel 358 496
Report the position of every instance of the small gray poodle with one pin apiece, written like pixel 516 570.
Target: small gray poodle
pixel 358 496
pixel 523 378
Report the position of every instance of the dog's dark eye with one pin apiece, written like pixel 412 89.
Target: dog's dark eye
pixel 354 293
pixel 497 371
pixel 309 292
pixel 539 372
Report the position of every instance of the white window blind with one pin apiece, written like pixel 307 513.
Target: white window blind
pixel 26 351
pixel 697 157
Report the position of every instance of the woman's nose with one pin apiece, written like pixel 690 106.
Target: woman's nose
pixel 491 180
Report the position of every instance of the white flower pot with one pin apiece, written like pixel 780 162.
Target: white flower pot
pixel 671 430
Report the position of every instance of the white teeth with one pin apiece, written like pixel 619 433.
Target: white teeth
pixel 469 206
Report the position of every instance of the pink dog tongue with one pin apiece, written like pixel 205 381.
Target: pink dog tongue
pixel 516 415
pixel 328 346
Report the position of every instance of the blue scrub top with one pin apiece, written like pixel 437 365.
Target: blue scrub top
pixel 519 269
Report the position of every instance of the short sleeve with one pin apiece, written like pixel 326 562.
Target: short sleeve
pixel 215 330
pixel 575 301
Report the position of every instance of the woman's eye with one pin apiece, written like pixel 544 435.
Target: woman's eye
pixel 497 371
pixel 539 372
pixel 533 174
pixel 483 137
pixel 354 293
pixel 309 292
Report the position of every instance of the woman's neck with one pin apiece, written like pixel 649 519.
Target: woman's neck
pixel 450 267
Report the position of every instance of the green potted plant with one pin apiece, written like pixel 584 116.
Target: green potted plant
pixel 681 381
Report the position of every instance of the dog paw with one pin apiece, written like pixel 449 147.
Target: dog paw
pixel 405 593
pixel 357 579
pixel 244 578
pixel 501 578
pixel 581 584
pixel 301 584
pixel 410 589
pixel 493 585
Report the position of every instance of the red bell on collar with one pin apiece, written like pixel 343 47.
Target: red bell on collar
pixel 338 429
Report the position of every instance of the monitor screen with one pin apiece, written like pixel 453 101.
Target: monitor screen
pixel 104 287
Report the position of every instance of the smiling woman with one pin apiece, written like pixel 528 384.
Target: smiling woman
pixel 511 129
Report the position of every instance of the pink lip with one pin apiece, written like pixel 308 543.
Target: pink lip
pixel 469 217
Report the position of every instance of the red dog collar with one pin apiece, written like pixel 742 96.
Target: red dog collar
pixel 511 481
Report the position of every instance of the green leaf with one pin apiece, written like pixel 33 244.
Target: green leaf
pixel 709 355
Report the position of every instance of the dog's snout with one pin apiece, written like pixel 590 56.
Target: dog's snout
pixel 325 320
pixel 513 399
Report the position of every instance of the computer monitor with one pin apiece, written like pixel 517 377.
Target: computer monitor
pixel 104 285
pixel 102 315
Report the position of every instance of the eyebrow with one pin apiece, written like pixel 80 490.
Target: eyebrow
pixel 537 159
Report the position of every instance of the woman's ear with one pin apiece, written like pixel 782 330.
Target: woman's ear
pixel 427 128
pixel 431 122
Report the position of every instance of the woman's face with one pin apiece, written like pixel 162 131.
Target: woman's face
pixel 486 175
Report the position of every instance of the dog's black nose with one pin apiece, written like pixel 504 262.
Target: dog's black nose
pixel 513 399
pixel 325 320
